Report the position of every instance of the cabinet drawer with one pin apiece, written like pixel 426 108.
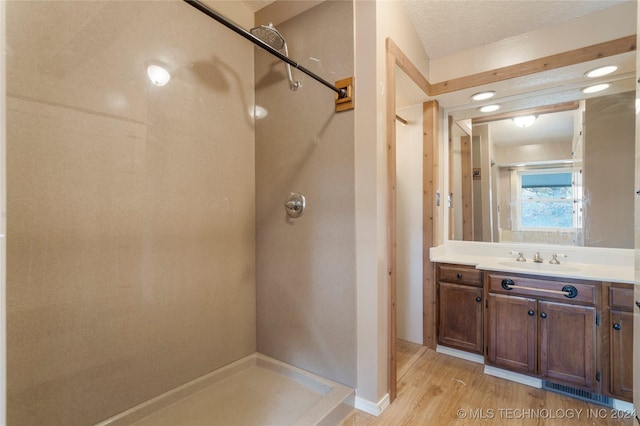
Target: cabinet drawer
pixel 459 274
pixel 621 298
pixel 585 293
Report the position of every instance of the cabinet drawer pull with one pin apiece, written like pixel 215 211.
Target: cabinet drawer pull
pixel 617 326
pixel 478 299
pixel 459 276
pixel 568 291
pixel 531 313
pixel 543 315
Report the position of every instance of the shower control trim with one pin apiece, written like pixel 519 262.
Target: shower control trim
pixel 295 204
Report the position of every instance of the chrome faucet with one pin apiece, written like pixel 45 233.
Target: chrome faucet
pixel 520 256
pixel 554 258
pixel 537 258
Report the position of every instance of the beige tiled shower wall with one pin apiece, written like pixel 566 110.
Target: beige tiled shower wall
pixel 306 266
pixel 131 207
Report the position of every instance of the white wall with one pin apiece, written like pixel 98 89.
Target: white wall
pixel 375 21
pixel 636 317
pixel 370 240
pixel 409 187
pixel 609 144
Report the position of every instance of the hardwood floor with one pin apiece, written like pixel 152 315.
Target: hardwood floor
pixel 439 389
pixel 408 354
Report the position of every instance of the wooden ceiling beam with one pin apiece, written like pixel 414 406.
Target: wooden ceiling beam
pixel 548 109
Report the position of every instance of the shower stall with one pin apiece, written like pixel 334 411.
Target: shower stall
pixel 149 152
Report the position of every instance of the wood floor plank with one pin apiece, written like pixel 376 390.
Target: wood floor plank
pixel 408 354
pixel 442 390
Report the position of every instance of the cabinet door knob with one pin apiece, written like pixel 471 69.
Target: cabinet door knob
pixel 459 276
pixel 531 313
pixel 617 326
pixel 478 299
pixel 543 315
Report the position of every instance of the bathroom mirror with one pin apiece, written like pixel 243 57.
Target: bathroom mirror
pixel 566 178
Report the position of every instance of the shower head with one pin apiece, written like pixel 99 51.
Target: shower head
pixel 269 35
pixel 272 37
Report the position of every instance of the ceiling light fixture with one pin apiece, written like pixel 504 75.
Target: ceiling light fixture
pixel 483 96
pixel 524 120
pixel 599 72
pixel 596 88
pixel 489 108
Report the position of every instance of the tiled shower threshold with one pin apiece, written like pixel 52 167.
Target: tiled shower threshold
pixel 256 390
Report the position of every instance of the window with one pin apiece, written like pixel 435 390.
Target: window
pixel 545 199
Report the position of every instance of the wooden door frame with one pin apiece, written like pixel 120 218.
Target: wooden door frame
pixel 431 109
pixel 394 56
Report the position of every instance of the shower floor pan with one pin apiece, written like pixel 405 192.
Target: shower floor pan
pixel 256 390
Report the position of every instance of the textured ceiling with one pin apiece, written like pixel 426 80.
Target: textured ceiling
pixel 256 5
pixel 450 26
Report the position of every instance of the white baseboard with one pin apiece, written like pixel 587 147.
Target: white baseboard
pixel 514 377
pixel 371 407
pixel 460 354
pixel 625 406
pixel 619 405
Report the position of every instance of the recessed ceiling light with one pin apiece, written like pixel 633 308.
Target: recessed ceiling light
pixel 599 72
pixel 482 96
pixel 596 88
pixel 524 120
pixel 489 108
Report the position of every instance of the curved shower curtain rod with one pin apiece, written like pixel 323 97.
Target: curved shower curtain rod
pixel 344 93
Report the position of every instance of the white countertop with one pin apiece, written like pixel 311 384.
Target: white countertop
pixel 614 265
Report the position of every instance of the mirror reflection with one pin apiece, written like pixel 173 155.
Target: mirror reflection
pixel 554 174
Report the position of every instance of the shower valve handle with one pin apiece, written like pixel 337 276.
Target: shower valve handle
pixel 295 204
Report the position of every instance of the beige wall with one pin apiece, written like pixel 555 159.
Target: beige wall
pixel 130 248
pixel 370 283
pixel 534 152
pixel 408 225
pixel 3 220
pixel 608 171
pixel 306 266
pixel 612 23
pixel 374 22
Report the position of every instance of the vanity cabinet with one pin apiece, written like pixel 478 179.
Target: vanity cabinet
pixel 543 327
pixel 512 333
pixel 460 307
pixel 620 334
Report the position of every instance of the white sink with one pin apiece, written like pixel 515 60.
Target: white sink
pixel 531 266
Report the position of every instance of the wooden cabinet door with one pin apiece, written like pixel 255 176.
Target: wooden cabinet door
pixel 512 333
pixel 460 319
pixel 621 354
pixel 568 343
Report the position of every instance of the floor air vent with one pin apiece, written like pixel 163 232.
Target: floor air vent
pixel 578 393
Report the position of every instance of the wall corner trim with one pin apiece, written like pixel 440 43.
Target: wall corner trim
pixel 371 407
